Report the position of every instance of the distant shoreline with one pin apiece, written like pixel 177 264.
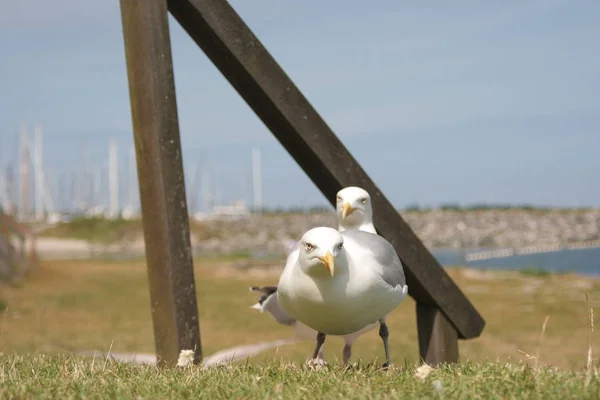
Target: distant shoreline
pixel 438 229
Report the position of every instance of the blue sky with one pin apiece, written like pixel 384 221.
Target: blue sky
pixel 461 101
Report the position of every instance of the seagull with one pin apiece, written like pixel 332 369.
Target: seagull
pixel 353 211
pixel 339 283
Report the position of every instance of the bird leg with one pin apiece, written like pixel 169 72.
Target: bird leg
pixel 347 353
pixel 320 355
pixel 384 333
pixel 320 341
pixel 317 358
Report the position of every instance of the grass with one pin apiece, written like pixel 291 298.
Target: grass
pixel 67 306
pixel 95 229
pixel 109 231
pixel 62 377
pixel 86 305
pixel 533 271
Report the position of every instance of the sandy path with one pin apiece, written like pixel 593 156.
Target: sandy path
pixel 222 357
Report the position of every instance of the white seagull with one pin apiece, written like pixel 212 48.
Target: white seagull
pixel 339 283
pixel 354 211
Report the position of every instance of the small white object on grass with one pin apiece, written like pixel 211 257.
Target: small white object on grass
pixel 186 357
pixel 342 282
pixel 438 386
pixel 423 372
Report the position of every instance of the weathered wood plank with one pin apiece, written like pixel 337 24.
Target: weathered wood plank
pixel 252 71
pixel 438 339
pixel 160 171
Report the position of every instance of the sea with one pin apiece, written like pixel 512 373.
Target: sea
pixel 580 261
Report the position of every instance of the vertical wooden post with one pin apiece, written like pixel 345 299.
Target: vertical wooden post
pixel 160 171
pixel 438 339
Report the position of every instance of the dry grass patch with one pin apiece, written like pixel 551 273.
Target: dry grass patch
pixel 87 305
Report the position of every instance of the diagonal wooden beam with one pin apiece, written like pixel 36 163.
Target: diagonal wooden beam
pixel 160 171
pixel 242 59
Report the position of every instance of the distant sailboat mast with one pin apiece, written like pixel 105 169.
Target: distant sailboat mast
pixel 113 178
pixel 257 181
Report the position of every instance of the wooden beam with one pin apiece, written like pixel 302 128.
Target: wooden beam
pixel 252 71
pixel 438 340
pixel 160 171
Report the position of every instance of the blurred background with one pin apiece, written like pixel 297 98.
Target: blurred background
pixel 479 121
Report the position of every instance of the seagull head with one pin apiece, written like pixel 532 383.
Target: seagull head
pixel 353 208
pixel 321 248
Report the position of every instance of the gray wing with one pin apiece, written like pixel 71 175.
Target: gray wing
pixel 383 252
pixel 265 290
pixel 269 302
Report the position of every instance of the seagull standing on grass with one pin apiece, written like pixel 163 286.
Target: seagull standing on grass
pixel 354 212
pixel 342 282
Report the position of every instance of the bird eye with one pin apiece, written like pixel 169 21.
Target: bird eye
pixel 340 245
pixel 363 200
pixel 339 199
pixel 308 246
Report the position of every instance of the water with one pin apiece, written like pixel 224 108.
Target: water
pixel 582 261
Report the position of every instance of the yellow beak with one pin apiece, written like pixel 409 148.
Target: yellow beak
pixel 328 262
pixel 347 210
